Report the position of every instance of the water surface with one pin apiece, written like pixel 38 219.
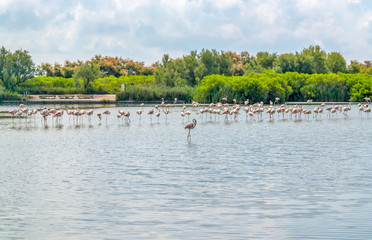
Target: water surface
pixel 280 179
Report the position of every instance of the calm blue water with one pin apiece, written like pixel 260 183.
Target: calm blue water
pixel 281 179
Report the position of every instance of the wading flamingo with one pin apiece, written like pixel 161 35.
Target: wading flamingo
pixel 276 100
pixel 106 112
pixel 157 115
pixel 189 126
pixel 150 112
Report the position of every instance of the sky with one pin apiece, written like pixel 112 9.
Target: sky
pixel 144 30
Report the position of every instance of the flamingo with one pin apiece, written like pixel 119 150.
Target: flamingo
pixel 139 112
pixel 189 126
pixel 307 112
pixel 58 114
pixel 89 114
pixel 29 113
pixel 166 111
pixel 201 110
pixel 69 113
pixel 157 115
pixel 276 100
pixel 13 112
pixel 360 110
pixel 345 109
pixel 367 111
pixel 246 110
pixel 226 111
pixel 183 114
pixel 118 115
pixel 106 112
pixel 44 113
pixel 150 112
pixel 127 115
pixel 188 113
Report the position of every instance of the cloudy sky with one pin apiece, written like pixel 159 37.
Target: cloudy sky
pixel 144 30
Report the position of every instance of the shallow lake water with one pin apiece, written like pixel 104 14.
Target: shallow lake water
pixel 245 179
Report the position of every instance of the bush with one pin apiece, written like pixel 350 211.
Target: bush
pixel 6 95
pixel 112 84
pixel 151 93
pixel 289 86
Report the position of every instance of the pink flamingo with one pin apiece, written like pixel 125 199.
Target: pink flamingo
pixel 89 114
pixel 166 111
pixel 183 114
pixel 127 115
pixel 118 115
pixel 58 114
pixel 106 112
pixel 188 113
pixel 157 115
pixel 367 111
pixel 139 112
pixel 345 109
pixel 276 100
pixel 13 112
pixel 150 112
pixel 189 126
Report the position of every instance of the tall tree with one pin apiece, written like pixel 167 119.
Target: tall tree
pixel 4 56
pixel 317 57
pixel 265 60
pixel 18 67
pixel 87 72
pixel 335 62
pixel 191 63
pixel 304 64
pixel 354 67
pixel 225 63
pixel 287 62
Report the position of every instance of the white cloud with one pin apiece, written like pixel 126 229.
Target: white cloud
pixel 145 30
pixel 230 31
pixel 353 1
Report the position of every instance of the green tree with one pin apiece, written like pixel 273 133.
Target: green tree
pixel 354 67
pixel 87 73
pixel 58 70
pixel 335 62
pixel 17 68
pixel 266 60
pixel 287 62
pixel 191 63
pixel 46 69
pixel 317 58
pixel 304 64
pixel 208 63
pixel 225 63
pixel 4 59
pixel 168 72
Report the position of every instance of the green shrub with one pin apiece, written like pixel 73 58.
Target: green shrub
pixel 153 93
pixel 6 95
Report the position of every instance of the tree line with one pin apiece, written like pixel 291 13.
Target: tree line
pixel 289 86
pixel 183 77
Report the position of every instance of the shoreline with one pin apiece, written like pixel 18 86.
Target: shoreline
pixel 110 99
